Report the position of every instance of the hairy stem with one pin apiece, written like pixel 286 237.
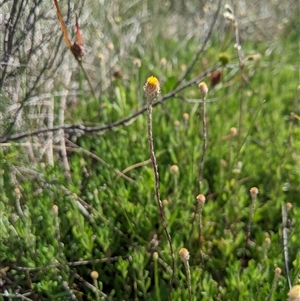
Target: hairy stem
pixel 157 193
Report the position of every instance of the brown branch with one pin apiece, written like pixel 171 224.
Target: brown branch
pixel 63 26
pixel 200 51
pixel 122 122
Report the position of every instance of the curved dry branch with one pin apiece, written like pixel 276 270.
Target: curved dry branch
pixel 121 122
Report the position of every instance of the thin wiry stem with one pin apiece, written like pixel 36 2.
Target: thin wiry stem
pixel 157 193
pixel 203 90
pixel 188 279
pixel 254 192
pixel 242 79
pixel 275 280
pixel 87 78
pixel 204 140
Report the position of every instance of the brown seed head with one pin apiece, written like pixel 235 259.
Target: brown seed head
pixel 186 116
pixel 165 203
pixel 289 206
pixel 294 293
pixel 233 131
pixel 94 275
pixel 55 209
pixel 174 168
pixel 224 163
pixel 184 254
pixel 137 63
pixel 277 271
pixel 163 61
pixel 254 192
pixel 110 46
pixel 215 77
pixel 17 191
pixel 201 199
pixel 203 89
pixel 268 240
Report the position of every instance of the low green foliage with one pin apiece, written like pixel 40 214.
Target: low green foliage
pixel 58 228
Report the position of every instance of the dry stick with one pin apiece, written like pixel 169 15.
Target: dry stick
pixel 197 55
pixel 91 287
pixel 61 120
pixel 152 89
pixel 71 264
pixel 49 141
pixel 285 242
pixel 16 296
pixel 77 48
pixel 122 122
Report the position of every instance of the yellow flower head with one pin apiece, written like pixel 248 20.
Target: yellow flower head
pixel 152 88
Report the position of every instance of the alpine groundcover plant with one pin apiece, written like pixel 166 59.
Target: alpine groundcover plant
pixel 108 194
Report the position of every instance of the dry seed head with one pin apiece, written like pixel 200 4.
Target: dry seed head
pixel 163 61
pixel 289 206
pixel 294 293
pixel 165 203
pixel 110 46
pixel 277 271
pixel 155 256
pixel 100 56
pixel 233 131
pixel 17 191
pixel 215 77
pixel 174 168
pixel 254 192
pixel 177 123
pixel 55 209
pixel 137 63
pixel 151 88
pixel 268 241
pixel 184 254
pixel 94 275
pixel 182 67
pixel 201 199
pixel 186 116
pixel 203 89
pixel 224 163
